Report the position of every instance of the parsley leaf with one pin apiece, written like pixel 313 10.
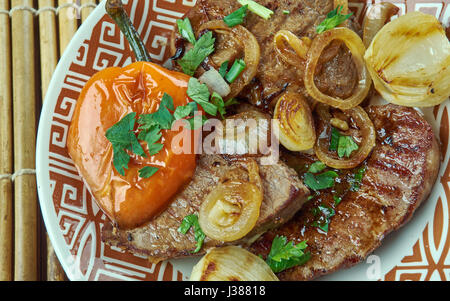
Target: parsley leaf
pixel 230 102
pixel 199 93
pixel 192 221
pixel 321 181
pixel 217 100
pixel 316 167
pixel 346 146
pixel 122 136
pixel 325 214
pixel 194 57
pixel 357 179
pixel 337 199
pixel 161 118
pixel 147 171
pixel 223 68
pixel 333 19
pixel 284 255
pixel 186 31
pixel 334 139
pixel 236 17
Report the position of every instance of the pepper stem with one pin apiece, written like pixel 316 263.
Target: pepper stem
pixel 115 10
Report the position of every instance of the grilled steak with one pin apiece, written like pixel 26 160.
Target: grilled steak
pixel 335 76
pixel 159 239
pixel 399 176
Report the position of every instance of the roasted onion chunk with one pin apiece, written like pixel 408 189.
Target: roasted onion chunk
pixel 231 263
pixel 250 48
pixel 365 132
pixel 409 61
pixel 231 209
pixel 378 15
pixel 356 47
pixel 296 124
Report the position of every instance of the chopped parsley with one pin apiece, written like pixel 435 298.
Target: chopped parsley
pixel 122 137
pixel 236 17
pixel 192 221
pixel 322 181
pixel 284 255
pixel 333 19
pixel 186 31
pixel 286 12
pixel 357 178
pixel 223 68
pixel 323 214
pixel 337 200
pixel 217 100
pixel 195 56
pixel 316 167
pixel 344 145
pixel 147 171
pixel 199 93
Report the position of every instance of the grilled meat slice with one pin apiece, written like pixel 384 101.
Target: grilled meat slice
pixel 159 239
pixel 398 178
pixel 335 76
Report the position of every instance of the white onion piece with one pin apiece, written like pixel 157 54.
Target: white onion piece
pixel 215 82
pixel 231 263
pixel 409 61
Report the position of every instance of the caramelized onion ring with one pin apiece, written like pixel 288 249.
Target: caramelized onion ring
pixel 356 47
pixel 366 127
pixel 231 210
pixel 251 52
pixel 296 124
pixel 375 19
pixel 300 46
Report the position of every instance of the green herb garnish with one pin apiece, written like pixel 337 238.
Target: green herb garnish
pixel 122 137
pixel 257 8
pixel 316 167
pixel 192 221
pixel 230 102
pixel 322 181
pixel 344 145
pixel 235 70
pixel 147 171
pixel 333 19
pixel 194 57
pixel 324 214
pixel 357 178
pixel 337 200
pixel 223 68
pixel 236 17
pixel 286 12
pixel 186 31
pixel 217 100
pixel 199 93
pixel 284 255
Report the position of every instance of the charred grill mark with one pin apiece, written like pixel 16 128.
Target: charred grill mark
pixel 210 268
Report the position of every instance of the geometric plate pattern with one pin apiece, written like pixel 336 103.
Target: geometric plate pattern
pixel 73 220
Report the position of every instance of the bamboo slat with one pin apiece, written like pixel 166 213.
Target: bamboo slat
pixel 24 102
pixel 68 23
pixel 49 59
pixel 87 9
pixel 6 150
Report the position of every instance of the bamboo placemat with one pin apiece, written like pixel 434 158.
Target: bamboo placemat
pixel 33 35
